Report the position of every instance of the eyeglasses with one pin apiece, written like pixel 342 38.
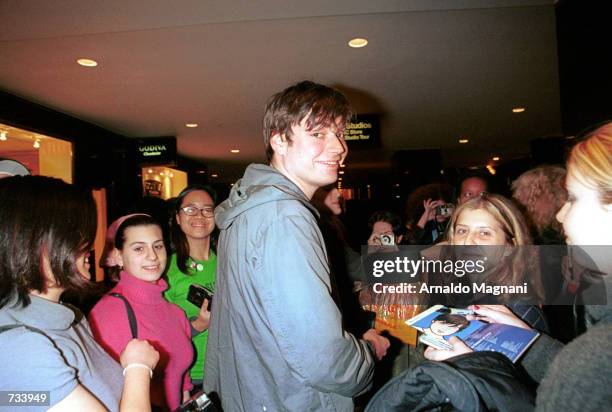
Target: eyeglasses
pixel 207 211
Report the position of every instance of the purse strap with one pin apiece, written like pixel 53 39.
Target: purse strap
pixel 130 313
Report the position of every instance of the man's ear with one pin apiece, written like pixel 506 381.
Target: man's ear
pixel 279 143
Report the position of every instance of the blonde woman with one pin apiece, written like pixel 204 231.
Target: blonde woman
pixel 575 376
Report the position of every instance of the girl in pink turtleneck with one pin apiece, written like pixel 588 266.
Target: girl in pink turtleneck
pixel 140 256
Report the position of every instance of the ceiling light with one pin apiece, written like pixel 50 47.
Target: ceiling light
pixel 342 165
pixel 463 141
pixel 36 144
pixel 341 172
pixel 3 135
pixel 235 150
pixel 87 62
pixel 192 125
pixel 214 175
pixel 171 174
pixel 491 169
pixel 496 158
pixel 200 172
pixel 150 171
pixel 518 110
pixel 358 42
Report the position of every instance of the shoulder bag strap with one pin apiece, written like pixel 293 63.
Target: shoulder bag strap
pixel 130 314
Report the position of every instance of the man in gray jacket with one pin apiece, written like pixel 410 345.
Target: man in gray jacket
pixel 276 341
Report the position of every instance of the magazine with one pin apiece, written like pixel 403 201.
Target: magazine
pixel 439 323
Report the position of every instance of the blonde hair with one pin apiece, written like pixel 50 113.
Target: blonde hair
pixel 592 159
pixel 505 213
pixel 544 183
pixel 522 265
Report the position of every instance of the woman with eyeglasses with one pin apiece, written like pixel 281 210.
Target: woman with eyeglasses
pixel 193 262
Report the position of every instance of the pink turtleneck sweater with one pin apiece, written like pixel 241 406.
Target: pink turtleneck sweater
pixel 162 323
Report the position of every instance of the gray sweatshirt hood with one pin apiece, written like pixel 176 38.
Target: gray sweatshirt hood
pixel 260 184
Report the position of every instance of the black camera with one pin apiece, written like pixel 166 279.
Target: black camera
pixel 198 293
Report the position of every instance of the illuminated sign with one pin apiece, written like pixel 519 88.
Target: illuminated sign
pixel 161 150
pixel 363 131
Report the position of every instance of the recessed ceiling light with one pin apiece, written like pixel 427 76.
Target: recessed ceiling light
pixel 518 110
pixel 87 62
pixel 358 42
pixel 192 125
pixel 463 141
pixel 235 150
pixel 214 175
pixel 496 158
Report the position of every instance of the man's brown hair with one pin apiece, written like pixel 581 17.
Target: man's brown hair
pixel 318 104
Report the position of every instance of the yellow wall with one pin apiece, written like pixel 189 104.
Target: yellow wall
pixel 55 159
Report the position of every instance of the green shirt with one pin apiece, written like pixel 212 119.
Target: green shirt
pixel 201 272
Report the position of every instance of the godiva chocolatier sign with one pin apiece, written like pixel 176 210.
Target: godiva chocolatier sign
pixel 159 150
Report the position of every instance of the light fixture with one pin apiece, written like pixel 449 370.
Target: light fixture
pixel 3 135
pixel 36 144
pixel 463 141
pixel 150 171
pixel 518 110
pixel 191 125
pixel 214 175
pixel 200 172
pixel 87 62
pixel 491 169
pixel 235 150
pixel 342 165
pixel 341 172
pixel 171 174
pixel 358 42
pixel 496 159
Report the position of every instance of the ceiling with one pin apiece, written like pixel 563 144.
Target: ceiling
pixel 434 71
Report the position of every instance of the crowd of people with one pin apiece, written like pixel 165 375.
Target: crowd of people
pixel 291 325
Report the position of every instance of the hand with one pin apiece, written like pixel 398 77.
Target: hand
pixel 497 314
pixel 202 322
pixel 374 239
pixel 429 211
pixel 380 343
pixel 139 351
pixel 459 348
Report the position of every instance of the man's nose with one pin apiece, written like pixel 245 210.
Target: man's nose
pixel 337 145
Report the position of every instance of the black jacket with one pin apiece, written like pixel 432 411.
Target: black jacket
pixel 475 382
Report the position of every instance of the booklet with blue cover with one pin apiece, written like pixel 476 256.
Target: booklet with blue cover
pixel 439 323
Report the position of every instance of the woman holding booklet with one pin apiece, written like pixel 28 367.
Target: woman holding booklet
pixel 575 376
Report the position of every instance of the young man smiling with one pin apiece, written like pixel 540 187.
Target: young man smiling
pixel 276 341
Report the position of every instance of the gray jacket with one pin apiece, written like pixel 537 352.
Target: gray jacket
pixel 276 342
